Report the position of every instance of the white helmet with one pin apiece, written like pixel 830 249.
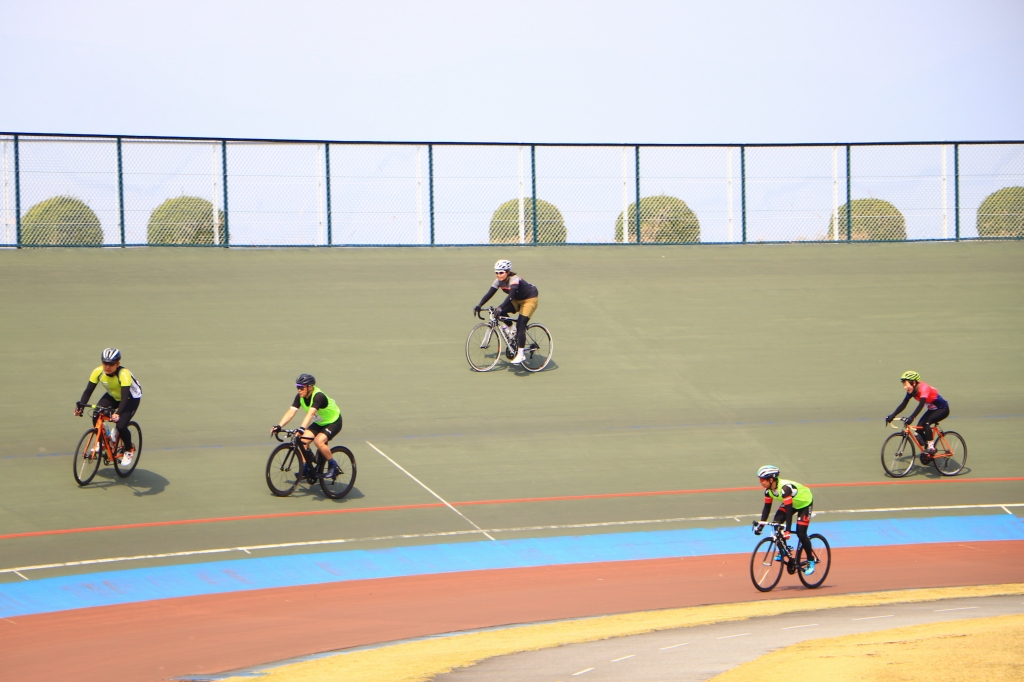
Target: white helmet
pixel 768 471
pixel 503 266
pixel 110 355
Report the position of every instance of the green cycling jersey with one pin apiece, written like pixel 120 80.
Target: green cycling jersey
pixel 800 494
pixel 324 415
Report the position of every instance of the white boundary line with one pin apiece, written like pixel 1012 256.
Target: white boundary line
pixel 414 536
pixel 429 490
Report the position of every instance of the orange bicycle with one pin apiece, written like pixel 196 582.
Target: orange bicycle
pixel 101 444
pixel 899 449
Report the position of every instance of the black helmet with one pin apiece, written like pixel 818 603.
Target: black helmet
pixel 305 380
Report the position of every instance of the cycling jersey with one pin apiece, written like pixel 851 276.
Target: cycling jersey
pixel 929 395
pixel 516 287
pixel 327 411
pixel 789 493
pixel 114 384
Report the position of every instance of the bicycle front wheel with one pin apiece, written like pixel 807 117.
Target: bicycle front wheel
pixel 765 570
pixel 898 455
pixel 125 471
pixel 284 469
pixel 339 485
pixel 87 457
pixel 821 554
pixel 483 347
pixel 950 461
pixel 538 348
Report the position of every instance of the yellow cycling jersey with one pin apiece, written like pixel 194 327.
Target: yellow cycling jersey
pixel 121 379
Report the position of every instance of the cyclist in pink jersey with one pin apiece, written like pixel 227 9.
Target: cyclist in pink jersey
pixel 936 409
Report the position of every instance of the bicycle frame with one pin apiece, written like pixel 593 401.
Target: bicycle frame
pixel 109 447
pixel 938 435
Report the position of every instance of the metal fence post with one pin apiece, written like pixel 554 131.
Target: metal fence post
pixel 224 184
pixel 430 183
pixel 17 194
pixel 533 188
pixel 956 188
pixel 120 191
pixel 626 217
pixel 327 189
pixel 849 212
pixel 743 190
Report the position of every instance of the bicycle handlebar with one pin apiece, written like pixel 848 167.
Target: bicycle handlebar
pixel 905 421
pixel 289 432
pixel 104 409
pixel 489 309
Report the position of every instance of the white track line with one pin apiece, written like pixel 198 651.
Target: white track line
pixel 674 646
pixel 623 658
pixel 873 617
pixel 731 636
pixel 795 627
pixel 959 608
pixel 415 536
pixel 429 490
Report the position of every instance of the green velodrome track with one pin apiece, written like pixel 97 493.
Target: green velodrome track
pixel 674 368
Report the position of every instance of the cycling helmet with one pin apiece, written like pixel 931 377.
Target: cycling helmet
pixel 110 355
pixel 305 380
pixel 503 266
pixel 910 375
pixel 768 471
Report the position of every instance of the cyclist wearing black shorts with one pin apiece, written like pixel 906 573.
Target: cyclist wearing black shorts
pixel 936 409
pixel 322 419
pixel 124 392
pixel 796 500
pixel 522 297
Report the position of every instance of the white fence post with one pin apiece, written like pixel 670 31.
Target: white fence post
pixel 215 173
pixel 522 200
pixel 728 184
pixel 945 232
pixel 7 197
pixel 419 194
pixel 835 194
pixel 625 198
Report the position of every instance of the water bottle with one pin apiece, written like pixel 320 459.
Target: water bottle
pixel 112 432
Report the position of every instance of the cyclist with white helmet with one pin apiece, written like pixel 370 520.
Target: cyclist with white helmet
pixel 522 297
pixel 796 500
pixel 323 418
pixel 928 397
pixel 124 392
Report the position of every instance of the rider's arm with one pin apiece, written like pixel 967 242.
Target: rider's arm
pixel 490 292
pixel 289 413
pixel 89 388
pixel 767 508
pixel 123 374
pixel 788 492
pixel 903 406
pixel 513 288
pixel 319 402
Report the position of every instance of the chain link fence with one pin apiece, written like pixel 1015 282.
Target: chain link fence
pixel 129 191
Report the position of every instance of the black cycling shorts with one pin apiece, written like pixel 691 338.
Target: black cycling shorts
pixel 332 429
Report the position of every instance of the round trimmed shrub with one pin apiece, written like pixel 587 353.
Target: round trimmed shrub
pixel 505 223
pixel 61 221
pixel 663 219
pixel 183 220
pixel 1002 213
pixel 873 220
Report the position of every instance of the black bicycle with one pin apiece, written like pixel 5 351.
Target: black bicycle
pixel 293 461
pixel 772 554
pixel 484 345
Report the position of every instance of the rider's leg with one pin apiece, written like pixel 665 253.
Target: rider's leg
pixel 803 520
pixel 124 418
pixel 521 323
pixel 927 419
pixel 526 310
pixel 321 444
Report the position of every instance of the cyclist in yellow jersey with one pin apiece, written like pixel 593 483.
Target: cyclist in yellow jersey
pixel 323 418
pixel 124 392
pixel 796 500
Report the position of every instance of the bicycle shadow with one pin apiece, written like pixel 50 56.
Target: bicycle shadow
pixel 928 471
pixel 518 371
pixel 317 493
pixel 142 481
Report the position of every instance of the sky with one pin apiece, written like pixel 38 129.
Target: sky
pixel 643 71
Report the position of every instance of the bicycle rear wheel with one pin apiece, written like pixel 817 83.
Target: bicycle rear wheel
pixel 483 347
pixel 538 349
pixel 87 458
pixel 284 469
pixel 126 471
pixel 823 556
pixel 765 571
pixel 898 455
pixel 951 461
pixel 340 485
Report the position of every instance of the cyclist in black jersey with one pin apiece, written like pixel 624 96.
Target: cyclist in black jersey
pixel 522 297
pixel 124 392
pixel 322 418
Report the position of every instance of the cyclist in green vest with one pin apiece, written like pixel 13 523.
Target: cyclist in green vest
pixel 795 498
pixel 323 418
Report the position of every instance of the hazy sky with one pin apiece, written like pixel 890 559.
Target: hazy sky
pixel 598 71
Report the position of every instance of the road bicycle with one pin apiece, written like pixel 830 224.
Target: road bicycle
pixel 772 554
pixel 293 461
pixel 497 335
pixel 101 445
pixel 898 451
